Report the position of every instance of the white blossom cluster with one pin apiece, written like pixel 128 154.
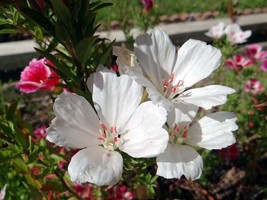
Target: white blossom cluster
pixel 161 125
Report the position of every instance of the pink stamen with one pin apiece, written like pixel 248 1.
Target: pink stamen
pixel 116 139
pixel 113 129
pixel 103 126
pixel 101 139
pixel 184 135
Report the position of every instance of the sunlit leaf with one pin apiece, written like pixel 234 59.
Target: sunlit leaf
pixel 40 20
pixel 9 153
pixel 8 31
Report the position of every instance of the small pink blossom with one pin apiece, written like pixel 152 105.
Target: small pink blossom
pixel 216 32
pixel 264 65
pixel 253 86
pixel 35 170
pixel 235 35
pixel 115 68
pixel 254 52
pixel 83 190
pixel 37 75
pixel 62 164
pixel 148 4
pixel 238 62
pixel 119 192
pixel 40 132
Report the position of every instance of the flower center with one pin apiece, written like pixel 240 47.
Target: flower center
pixel 109 138
pixel 178 135
pixel 170 89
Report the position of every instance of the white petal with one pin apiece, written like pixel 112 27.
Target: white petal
pixel 90 80
pixel 116 98
pixel 178 160
pixel 96 165
pixel 126 60
pixel 183 113
pixel 3 192
pixel 213 131
pixel 196 61
pixel 143 135
pixel 231 29
pixel 206 97
pixel 156 55
pixel 76 124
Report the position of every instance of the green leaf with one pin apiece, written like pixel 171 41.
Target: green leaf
pixel 8 129
pixel 11 111
pixel 20 165
pixel 61 69
pixel 38 32
pixel 32 182
pixel 40 20
pixel 62 12
pixel 22 139
pixel 9 153
pixel 8 31
pixel 61 32
pixel 99 5
pixel 83 49
pixel 107 52
pixel 4 21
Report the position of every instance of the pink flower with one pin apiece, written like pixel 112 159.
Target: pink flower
pixel 148 4
pixel 253 86
pixel 216 32
pixel 230 152
pixel 115 68
pixel 83 190
pixel 37 75
pixel 254 52
pixel 119 192
pixel 235 35
pixel 264 65
pixel 40 132
pixel 238 62
pixel 62 164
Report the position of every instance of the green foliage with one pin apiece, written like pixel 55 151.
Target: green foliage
pixel 66 33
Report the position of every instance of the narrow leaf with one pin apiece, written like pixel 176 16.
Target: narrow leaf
pixel 84 48
pixel 8 31
pixel 40 20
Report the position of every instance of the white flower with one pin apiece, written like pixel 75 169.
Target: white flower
pixel 213 131
pixel 168 74
pixel 121 123
pixel 217 31
pixel 126 60
pixel 235 35
pixel 3 192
